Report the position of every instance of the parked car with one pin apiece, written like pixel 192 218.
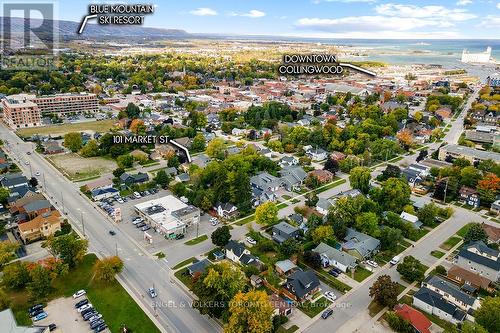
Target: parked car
pixel 250 240
pixel 137 221
pixel 179 236
pixel 89 315
pixel 40 316
pixel 372 263
pixel 89 310
pixel 120 200
pixel 147 192
pixel 52 327
pixel 214 221
pixel 146 227
pixel 327 313
pixel 330 296
pixel 100 328
pixel 36 313
pixel 84 307
pixel 95 316
pixel 96 324
pixel 395 260
pixel 333 272
pixel 140 225
pixel 35 308
pixel 80 303
pixel 79 293
pixel 152 292
pixel 137 195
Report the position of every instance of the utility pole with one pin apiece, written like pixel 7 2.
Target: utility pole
pixel 83 224
pixel 62 201
pixel 446 189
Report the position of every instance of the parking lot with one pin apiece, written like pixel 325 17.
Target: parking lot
pixel 62 312
pixel 159 243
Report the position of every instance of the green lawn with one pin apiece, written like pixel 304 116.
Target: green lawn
pixel 282 205
pixel 291 329
pixel 437 254
pixel 184 263
pixel 110 299
pixel 245 220
pixel 374 308
pixel 464 229
pixel 450 243
pixel 197 240
pixel 312 309
pixel 185 278
pixel 333 184
pixel 361 273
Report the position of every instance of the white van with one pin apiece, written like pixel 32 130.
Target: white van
pixel 395 260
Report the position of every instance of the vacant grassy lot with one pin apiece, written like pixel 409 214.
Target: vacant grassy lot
pixel 77 168
pixel 55 130
pixel 111 300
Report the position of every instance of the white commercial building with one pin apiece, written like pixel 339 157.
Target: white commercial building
pixel 168 215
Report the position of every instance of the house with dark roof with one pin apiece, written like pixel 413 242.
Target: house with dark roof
pixel 479 258
pixel 433 303
pixel 226 210
pixel 416 318
pixel 103 193
pixel 198 267
pixel 130 179
pixel 451 292
pixel 332 257
pixel 469 196
pixel 283 231
pixel 238 253
pixel 35 208
pixel 13 180
pixel 301 284
pixel 360 245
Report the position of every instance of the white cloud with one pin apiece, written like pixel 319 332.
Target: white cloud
pixel 344 1
pixel 203 11
pixel 463 2
pixel 369 23
pixel 490 21
pixel 424 12
pixel 254 13
pixel 498 5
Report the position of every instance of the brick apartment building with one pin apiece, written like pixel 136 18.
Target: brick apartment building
pixel 26 110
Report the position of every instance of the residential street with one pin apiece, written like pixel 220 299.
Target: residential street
pixel 141 270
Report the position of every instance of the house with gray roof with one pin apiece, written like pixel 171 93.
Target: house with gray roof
pixel 433 303
pixel 288 161
pixel 283 231
pixel 292 177
pixel 302 284
pixel 412 219
pixel 360 245
pixel 451 292
pixel 130 179
pixel 323 206
pixel 198 267
pixel 332 257
pixel 481 259
pixel 13 180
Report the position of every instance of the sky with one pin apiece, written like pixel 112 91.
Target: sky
pixel 319 18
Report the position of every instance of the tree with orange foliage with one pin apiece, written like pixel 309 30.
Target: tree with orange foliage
pixel 137 126
pixel 488 188
pixel 405 137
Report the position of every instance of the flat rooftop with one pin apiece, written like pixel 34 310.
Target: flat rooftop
pixel 163 211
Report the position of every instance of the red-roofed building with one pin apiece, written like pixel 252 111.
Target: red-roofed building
pixel 414 317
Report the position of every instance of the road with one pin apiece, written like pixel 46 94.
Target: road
pixel 141 269
pixel 356 302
